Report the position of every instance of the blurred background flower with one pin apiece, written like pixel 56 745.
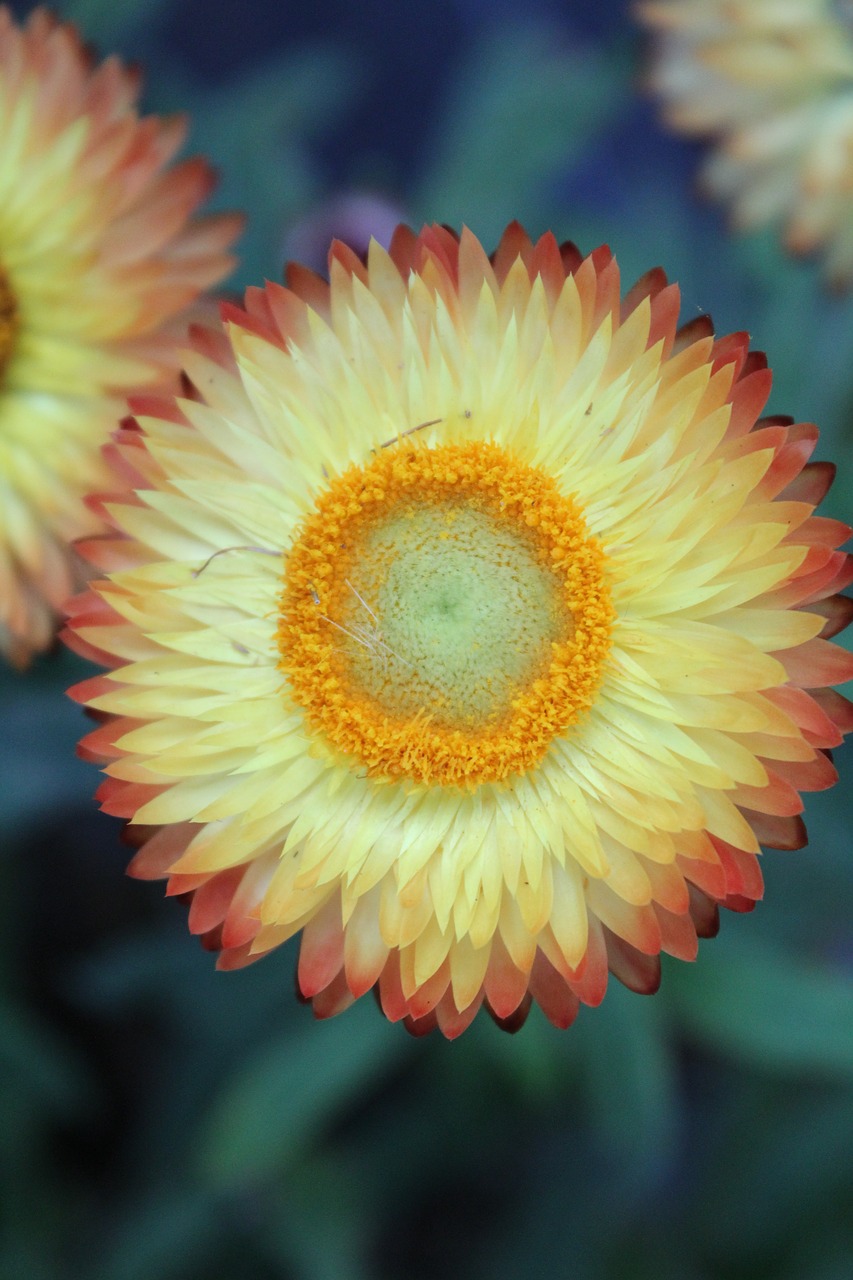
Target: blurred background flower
pixel 771 82
pixel 99 261
pixel 355 217
pixel 161 1119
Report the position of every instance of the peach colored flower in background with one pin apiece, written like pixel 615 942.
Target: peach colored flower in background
pixel 99 261
pixel 469 619
pixel 771 82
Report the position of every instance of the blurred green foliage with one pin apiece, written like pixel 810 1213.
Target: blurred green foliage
pixel 525 106
pixel 161 1120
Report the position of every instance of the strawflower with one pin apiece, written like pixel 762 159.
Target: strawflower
pixel 98 261
pixel 771 82
pixel 470 620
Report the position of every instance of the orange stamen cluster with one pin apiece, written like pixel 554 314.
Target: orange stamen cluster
pixel 324 559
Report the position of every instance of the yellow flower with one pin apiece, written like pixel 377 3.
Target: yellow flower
pixel 462 619
pixel 98 259
pixel 771 82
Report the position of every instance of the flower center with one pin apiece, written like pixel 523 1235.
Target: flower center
pixel 445 614
pixel 8 321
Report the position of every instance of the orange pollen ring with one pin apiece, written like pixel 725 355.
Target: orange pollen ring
pixel 8 321
pixel 327 559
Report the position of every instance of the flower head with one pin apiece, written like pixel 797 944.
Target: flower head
pixel 98 259
pixel 468 619
pixel 771 82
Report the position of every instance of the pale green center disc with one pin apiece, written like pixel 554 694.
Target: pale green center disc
pixel 450 613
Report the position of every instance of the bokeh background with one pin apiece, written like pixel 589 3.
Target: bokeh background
pixel 159 1120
